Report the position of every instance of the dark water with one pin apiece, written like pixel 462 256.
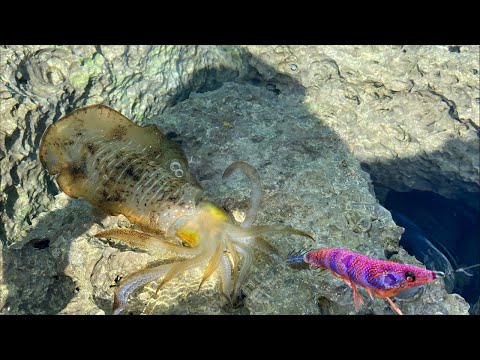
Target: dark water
pixel 439 229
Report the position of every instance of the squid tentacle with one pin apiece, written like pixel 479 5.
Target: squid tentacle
pixel 256 189
pixel 212 264
pixel 226 276
pixel 234 256
pixel 182 266
pixel 247 262
pixel 264 229
pixel 133 281
pixel 144 241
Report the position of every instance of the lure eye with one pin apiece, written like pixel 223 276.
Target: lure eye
pixel 410 276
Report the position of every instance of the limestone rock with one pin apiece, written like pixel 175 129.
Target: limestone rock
pixel 40 84
pixel 299 130
pixel 311 182
pixel 410 114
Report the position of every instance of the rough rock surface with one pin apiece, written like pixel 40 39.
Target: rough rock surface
pixel 310 181
pixel 309 103
pixel 475 310
pixel 39 84
pixel 410 114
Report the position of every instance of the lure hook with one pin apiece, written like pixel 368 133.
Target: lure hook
pixel 441 274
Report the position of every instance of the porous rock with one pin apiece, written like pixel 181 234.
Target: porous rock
pixel 311 180
pixel 40 84
pixel 409 114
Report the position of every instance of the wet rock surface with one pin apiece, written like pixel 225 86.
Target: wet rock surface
pixel 310 181
pixel 299 127
pixel 40 84
pixel 409 114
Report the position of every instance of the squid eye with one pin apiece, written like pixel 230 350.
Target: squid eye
pixel 410 276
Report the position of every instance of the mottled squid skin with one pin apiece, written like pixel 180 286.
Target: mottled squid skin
pixel 383 278
pixel 122 168
pixel 101 156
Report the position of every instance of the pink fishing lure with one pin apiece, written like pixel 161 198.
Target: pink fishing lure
pixel 384 278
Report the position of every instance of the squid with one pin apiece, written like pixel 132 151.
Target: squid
pixel 97 154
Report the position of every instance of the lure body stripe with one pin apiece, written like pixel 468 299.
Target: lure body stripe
pixel 365 271
pixel 383 278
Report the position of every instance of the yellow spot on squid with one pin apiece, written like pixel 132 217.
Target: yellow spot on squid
pixel 216 212
pixel 189 236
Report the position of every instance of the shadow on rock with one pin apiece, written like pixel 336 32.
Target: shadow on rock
pixel 35 274
pixel 451 225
